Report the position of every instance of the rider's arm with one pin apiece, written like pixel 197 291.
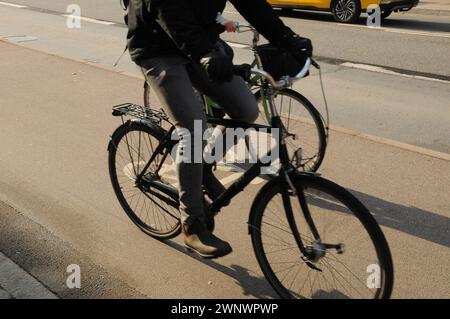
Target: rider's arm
pixel 177 18
pixel 261 15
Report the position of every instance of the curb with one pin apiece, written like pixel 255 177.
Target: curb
pixel 18 284
pixel 392 143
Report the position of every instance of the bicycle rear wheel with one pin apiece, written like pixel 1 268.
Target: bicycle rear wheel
pixel 359 265
pixel 304 127
pixel 154 211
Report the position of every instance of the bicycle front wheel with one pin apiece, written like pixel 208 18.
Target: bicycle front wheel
pixel 303 126
pixel 350 259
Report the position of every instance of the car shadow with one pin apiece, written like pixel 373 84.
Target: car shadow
pixel 391 22
pixel 252 285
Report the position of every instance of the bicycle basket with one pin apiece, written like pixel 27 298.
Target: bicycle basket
pixel 278 62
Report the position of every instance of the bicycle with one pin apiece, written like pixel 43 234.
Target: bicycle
pixel 307 130
pixel 312 238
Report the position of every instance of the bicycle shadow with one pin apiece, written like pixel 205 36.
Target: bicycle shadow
pixel 411 220
pixel 251 284
pixel 390 22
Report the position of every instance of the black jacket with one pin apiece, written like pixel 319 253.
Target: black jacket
pixel 192 25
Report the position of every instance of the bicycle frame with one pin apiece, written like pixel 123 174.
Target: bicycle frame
pixel 240 184
pixel 257 80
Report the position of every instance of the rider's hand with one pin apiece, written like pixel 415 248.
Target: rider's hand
pixel 230 26
pixel 299 47
pixel 219 66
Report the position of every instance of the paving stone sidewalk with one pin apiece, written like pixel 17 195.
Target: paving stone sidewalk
pixel 16 283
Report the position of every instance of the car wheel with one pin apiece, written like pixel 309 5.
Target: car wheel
pixel 385 14
pixel 346 11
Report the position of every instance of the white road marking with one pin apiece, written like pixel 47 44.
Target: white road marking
pixel 238 173
pixel 393 30
pixel 12 5
pixel 20 38
pixel 423 33
pixel 231 178
pixel 238 45
pixel 378 69
pixel 169 172
pixel 89 19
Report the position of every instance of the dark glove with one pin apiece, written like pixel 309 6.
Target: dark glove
pixel 244 71
pixel 298 46
pixel 219 66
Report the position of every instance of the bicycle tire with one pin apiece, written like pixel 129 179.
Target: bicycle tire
pixel 302 182
pixel 315 148
pixel 149 228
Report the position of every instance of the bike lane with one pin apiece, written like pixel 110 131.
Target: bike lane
pixel 55 126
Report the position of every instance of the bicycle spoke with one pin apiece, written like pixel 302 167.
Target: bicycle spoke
pixel 345 266
pixel 345 279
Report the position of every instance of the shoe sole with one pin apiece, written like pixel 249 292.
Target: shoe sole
pixel 192 250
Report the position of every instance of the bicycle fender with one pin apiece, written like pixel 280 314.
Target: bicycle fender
pixel 155 128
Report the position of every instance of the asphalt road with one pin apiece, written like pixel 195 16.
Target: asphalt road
pixel 55 125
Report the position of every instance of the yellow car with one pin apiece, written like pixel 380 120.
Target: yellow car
pixel 346 11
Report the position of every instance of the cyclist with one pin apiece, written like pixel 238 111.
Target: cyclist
pixel 177 44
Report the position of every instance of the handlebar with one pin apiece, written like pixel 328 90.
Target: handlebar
pixel 285 81
pixel 243 27
pixel 245 71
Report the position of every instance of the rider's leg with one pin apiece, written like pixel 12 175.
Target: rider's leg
pixel 234 97
pixel 169 78
pixel 237 101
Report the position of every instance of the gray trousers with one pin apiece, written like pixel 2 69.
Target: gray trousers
pixel 173 79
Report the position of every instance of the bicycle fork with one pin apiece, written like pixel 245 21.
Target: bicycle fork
pixel 317 249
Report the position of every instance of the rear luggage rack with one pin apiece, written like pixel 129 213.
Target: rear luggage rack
pixel 139 112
